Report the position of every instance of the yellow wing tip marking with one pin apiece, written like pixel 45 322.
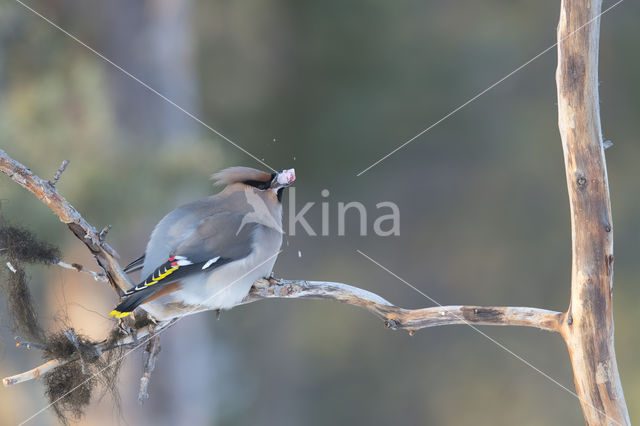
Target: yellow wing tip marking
pixel 162 276
pixel 119 314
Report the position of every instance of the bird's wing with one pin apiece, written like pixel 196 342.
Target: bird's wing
pixel 218 235
pixel 212 244
pixel 135 265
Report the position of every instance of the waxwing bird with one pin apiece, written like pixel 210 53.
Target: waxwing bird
pixel 208 253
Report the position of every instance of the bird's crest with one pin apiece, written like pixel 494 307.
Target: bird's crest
pixel 240 174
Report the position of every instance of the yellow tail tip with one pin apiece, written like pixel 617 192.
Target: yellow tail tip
pixel 119 314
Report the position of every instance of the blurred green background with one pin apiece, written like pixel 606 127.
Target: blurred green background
pixel 328 88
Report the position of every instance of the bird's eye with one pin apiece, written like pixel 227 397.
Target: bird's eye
pixel 258 184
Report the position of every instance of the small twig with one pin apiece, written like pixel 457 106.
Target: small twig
pixel 149 359
pixel 79 268
pixel 58 174
pixel 103 233
pixel 29 345
pixel 11 267
pixel 34 373
pixel 73 338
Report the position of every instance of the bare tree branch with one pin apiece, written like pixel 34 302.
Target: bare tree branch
pixel 79 268
pixel 150 354
pixel 34 373
pixel 399 318
pixel 59 173
pixel 588 330
pixel 393 316
pixel 137 338
pixel 106 256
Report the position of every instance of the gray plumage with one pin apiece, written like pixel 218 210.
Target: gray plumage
pixel 223 244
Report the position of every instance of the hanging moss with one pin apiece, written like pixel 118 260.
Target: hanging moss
pixel 19 244
pixel 20 304
pixel 69 391
pixel 68 388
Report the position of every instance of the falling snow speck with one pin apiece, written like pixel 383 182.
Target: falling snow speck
pixel 299 253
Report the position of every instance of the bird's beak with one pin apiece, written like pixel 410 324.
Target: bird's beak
pixel 284 178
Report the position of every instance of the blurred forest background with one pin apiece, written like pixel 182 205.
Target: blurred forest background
pixel 328 88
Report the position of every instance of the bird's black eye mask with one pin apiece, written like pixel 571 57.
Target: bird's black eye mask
pixel 262 186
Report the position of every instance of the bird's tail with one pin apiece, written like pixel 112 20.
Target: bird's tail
pixel 131 302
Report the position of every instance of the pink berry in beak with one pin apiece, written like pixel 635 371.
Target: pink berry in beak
pixel 286 177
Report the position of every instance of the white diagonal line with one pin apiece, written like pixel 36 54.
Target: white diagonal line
pixel 145 340
pixel 485 90
pixel 548 377
pixel 145 85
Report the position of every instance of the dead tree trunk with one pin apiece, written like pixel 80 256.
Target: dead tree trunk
pixel 588 328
